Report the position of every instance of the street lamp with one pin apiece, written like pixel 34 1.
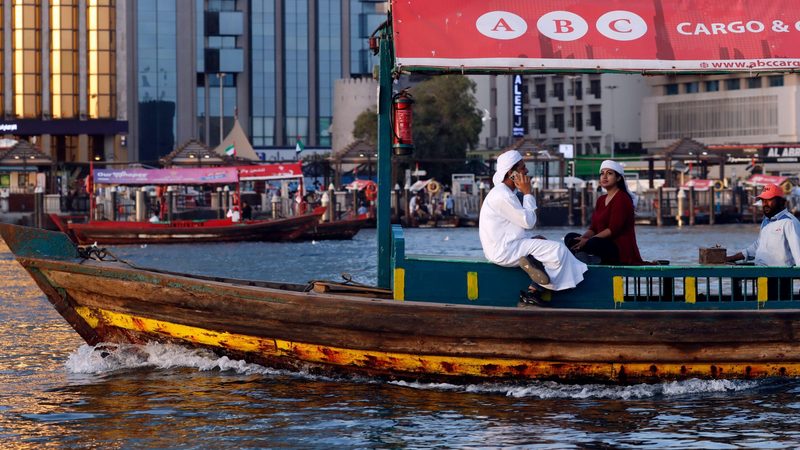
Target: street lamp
pixel 221 77
pixel 613 138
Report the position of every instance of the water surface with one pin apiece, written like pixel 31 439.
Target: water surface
pixel 55 391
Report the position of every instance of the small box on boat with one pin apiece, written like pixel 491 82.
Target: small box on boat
pixel 712 255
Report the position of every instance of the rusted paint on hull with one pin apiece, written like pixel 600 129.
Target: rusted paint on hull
pixel 426 366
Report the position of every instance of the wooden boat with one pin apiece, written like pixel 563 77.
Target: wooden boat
pixel 337 230
pixel 187 231
pixel 624 324
pixel 451 319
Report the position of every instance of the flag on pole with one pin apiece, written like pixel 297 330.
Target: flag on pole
pixel 299 147
pixel 230 150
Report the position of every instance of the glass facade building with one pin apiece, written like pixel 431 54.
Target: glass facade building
pixel 272 64
pixel 59 86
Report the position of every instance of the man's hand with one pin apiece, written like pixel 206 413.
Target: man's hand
pixel 523 183
pixel 734 258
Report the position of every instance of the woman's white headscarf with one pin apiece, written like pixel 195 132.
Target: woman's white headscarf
pixel 617 167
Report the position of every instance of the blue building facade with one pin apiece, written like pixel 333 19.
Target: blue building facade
pixel 271 63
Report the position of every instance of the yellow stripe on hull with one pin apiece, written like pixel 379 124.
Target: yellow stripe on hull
pixel 451 366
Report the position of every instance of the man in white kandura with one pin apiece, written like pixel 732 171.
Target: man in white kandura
pixel 505 230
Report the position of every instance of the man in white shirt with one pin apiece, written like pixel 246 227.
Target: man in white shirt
pixel 505 231
pixel 778 242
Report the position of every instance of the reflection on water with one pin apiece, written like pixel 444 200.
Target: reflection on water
pixel 56 391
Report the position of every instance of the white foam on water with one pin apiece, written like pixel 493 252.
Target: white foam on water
pixel 555 390
pixel 105 358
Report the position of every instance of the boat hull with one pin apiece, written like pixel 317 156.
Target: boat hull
pixel 338 230
pixel 353 330
pixel 120 233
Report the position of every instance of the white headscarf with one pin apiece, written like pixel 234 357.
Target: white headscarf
pixel 613 165
pixel 504 163
pixel 617 167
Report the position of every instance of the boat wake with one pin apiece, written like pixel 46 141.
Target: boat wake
pixel 108 358
pixel 105 358
pixel 555 390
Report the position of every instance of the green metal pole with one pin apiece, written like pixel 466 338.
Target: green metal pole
pixel 384 160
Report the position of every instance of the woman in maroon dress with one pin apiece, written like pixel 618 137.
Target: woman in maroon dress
pixel 611 235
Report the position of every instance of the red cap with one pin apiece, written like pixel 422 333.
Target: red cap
pixel 770 191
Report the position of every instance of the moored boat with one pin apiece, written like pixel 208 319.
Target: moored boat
pixel 337 230
pixel 186 231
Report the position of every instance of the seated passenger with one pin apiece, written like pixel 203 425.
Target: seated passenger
pixel 611 236
pixel 778 242
pixel 504 230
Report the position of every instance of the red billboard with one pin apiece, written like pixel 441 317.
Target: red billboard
pixel 624 35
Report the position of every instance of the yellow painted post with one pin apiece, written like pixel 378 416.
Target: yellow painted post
pixel 472 286
pixel 690 289
pixel 619 289
pixel 763 291
pixel 399 284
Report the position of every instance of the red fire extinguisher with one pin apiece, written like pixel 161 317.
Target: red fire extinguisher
pixel 402 116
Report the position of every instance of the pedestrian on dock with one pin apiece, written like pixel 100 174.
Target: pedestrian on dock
pixel 611 237
pixel 505 229
pixel 778 242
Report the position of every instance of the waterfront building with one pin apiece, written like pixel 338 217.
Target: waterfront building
pixel 120 81
pixel 272 63
pixel 595 113
pixel 63 79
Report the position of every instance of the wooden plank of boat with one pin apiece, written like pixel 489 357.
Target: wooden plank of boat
pixel 223 230
pixel 299 328
pixel 336 230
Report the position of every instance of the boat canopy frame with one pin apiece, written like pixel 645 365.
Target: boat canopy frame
pixel 461 26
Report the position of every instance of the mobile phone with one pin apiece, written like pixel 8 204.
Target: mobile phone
pixel 514 175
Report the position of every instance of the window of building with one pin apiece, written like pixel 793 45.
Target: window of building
pixel 595 120
pixel 754 83
pixel 712 85
pixel 558 91
pixel 579 121
pixel 723 117
pixel 101 45
pixel 323 131
pixel 64 58
pixel 558 122
pixel 594 88
pixel 296 57
pixel 221 5
pixel 671 89
pixel 732 84
pixel 691 87
pixel 541 123
pixel 540 92
pixel 263 75
pixel 26 58
pixel 329 64
pixel 157 79
pixel 579 89
pixel 775 80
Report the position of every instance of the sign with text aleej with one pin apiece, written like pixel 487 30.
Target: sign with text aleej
pixel 520 127
pixel 636 36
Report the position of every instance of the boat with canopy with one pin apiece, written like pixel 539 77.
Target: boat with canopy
pixel 457 319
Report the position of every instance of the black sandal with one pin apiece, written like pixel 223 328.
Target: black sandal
pixel 533 298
